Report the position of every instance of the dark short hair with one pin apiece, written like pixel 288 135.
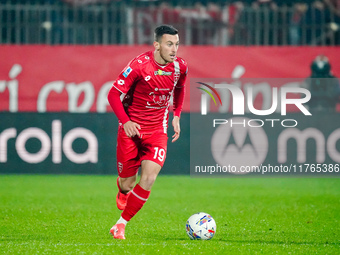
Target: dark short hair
pixel 164 29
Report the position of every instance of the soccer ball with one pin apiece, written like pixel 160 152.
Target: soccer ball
pixel 201 226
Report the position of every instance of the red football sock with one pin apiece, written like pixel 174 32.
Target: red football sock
pixel 135 202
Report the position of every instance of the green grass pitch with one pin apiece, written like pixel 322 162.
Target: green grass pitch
pixel 73 214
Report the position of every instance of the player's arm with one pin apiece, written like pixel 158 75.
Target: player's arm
pixel 122 85
pixel 179 92
pixel 131 128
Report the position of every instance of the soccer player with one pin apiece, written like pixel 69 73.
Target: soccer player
pixel 146 85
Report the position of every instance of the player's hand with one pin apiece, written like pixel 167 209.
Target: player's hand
pixel 177 128
pixel 131 128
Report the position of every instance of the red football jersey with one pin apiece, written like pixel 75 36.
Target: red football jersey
pixel 147 87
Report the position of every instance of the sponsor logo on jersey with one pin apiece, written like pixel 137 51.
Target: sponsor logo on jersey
pixel 156 89
pixel 121 82
pixel 159 100
pixel 160 72
pixel 127 72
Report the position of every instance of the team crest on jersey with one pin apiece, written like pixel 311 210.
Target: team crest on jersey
pixel 161 72
pixel 127 71
pixel 176 76
pixel 120 167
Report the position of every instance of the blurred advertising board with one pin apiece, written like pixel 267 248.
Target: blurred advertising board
pixel 76 79
pixel 71 143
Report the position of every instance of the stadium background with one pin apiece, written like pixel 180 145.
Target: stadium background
pixel 57 134
pixel 59 58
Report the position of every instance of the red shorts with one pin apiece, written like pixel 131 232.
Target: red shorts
pixel 131 151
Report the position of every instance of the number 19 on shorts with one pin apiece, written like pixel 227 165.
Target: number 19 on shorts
pixel 159 153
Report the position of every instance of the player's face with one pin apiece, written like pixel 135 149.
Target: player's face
pixel 168 47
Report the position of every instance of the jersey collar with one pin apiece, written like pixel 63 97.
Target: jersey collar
pixel 154 60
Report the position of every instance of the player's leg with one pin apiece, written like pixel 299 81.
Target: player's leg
pixel 153 149
pixel 125 185
pixel 128 163
pixel 140 193
pixel 149 173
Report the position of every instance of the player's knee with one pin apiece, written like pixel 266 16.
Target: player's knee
pixel 148 181
pixel 127 185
